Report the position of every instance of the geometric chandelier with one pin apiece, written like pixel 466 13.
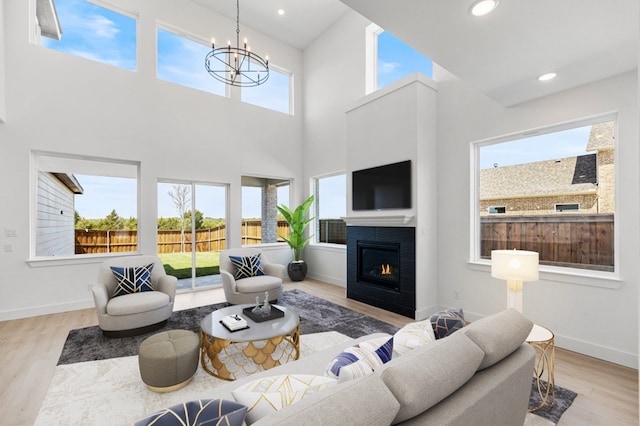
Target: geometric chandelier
pixel 237 66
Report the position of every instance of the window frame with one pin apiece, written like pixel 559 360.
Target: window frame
pixel 504 208
pixel 193 38
pixel 555 207
pixel 281 70
pixel 579 276
pixel 35 37
pixel 315 182
pixel 35 260
pixel 264 178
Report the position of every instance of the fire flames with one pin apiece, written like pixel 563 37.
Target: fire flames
pixel 385 269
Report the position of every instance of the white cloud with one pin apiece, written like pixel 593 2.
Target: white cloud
pixel 101 26
pixel 388 67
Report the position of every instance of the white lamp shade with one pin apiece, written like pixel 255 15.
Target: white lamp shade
pixel 517 265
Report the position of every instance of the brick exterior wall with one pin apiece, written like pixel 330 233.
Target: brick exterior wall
pixel 269 213
pixel 606 181
pixel 540 205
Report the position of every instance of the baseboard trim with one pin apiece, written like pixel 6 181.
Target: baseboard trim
pixel 327 279
pixel 594 350
pixel 45 310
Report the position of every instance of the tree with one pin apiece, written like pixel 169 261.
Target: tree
pixel 199 219
pixel 181 197
pixel 112 222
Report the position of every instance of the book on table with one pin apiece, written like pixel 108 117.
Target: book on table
pixel 234 322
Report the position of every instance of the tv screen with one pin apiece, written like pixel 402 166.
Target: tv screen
pixel 383 187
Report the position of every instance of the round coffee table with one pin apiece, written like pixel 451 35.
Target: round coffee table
pixel 264 345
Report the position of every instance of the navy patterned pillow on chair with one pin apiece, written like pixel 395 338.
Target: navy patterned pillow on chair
pixel 132 280
pixel 203 412
pixel 446 322
pixel 250 266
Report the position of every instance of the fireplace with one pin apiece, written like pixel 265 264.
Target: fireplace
pixel 379 264
pixel 381 267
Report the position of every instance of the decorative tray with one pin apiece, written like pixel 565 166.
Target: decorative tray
pixel 275 313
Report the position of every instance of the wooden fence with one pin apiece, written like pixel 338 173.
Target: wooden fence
pixel 211 239
pixel 561 240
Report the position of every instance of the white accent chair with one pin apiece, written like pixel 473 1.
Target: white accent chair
pixel 136 313
pixel 245 290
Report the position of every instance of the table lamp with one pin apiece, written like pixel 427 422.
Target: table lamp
pixel 515 266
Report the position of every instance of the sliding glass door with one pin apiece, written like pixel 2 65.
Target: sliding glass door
pixel 192 231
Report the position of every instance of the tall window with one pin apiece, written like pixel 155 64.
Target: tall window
pixel 181 61
pixel 92 32
pixel 84 206
pixel 260 221
pixel 331 206
pixel 192 231
pixel 275 94
pixel 389 59
pixel 556 192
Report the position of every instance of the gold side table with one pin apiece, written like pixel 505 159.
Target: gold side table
pixel 264 345
pixel 543 341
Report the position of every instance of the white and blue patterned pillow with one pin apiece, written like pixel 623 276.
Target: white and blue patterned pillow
pixel 205 411
pixel 250 266
pixel 132 280
pixel 361 360
pixel 413 335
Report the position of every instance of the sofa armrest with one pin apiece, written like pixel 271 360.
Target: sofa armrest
pixel 167 284
pixel 228 282
pixel 100 297
pixel 274 270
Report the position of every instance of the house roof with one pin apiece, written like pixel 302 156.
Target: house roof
pixel 572 175
pixel 602 137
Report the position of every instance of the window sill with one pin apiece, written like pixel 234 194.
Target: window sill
pixel 80 259
pixel 610 280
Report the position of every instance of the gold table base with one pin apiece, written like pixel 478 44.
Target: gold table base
pixel 231 360
pixel 544 369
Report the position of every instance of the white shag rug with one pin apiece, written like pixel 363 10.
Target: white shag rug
pixel 110 392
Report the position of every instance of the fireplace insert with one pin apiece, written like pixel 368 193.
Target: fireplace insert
pixel 379 264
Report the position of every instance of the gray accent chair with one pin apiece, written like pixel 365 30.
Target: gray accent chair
pixel 136 313
pixel 246 290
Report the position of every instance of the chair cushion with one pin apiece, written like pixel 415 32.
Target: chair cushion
pixel 246 266
pixel 137 302
pixel 132 280
pixel 270 394
pixel 361 360
pixel 258 284
pixel 205 411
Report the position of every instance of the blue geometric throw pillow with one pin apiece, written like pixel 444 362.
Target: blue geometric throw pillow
pixel 447 322
pixel 132 280
pixel 203 412
pixel 246 267
pixel 361 360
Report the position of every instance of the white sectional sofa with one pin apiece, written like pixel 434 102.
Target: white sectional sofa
pixel 480 375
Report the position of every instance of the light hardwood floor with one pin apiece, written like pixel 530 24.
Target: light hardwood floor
pixel 607 393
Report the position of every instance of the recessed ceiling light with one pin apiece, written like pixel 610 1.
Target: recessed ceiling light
pixel 280 12
pixel 548 76
pixel 483 7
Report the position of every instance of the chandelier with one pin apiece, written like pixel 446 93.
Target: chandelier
pixel 237 66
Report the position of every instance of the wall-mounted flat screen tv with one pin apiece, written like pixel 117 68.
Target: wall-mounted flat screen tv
pixel 382 187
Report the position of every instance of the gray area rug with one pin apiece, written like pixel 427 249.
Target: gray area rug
pixel 316 315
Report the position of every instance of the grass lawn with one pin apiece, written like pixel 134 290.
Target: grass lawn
pixel 179 264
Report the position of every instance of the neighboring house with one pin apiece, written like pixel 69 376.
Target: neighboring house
pixel 582 184
pixel 56 206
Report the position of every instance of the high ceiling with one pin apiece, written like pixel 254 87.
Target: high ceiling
pixel 500 54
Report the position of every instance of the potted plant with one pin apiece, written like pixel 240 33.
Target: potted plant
pixel 297 221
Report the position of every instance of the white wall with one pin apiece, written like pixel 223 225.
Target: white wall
pixel 57 102
pixel 3 106
pixel 597 317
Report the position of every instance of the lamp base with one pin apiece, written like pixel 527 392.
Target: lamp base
pixel 514 295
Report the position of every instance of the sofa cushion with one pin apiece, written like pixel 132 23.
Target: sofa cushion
pixel 132 280
pixel 247 266
pixel 258 284
pixel 413 335
pixel 361 360
pixel 424 376
pixel 267 395
pixel 446 322
pixel 136 303
pixel 365 401
pixel 205 411
pixel 499 335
